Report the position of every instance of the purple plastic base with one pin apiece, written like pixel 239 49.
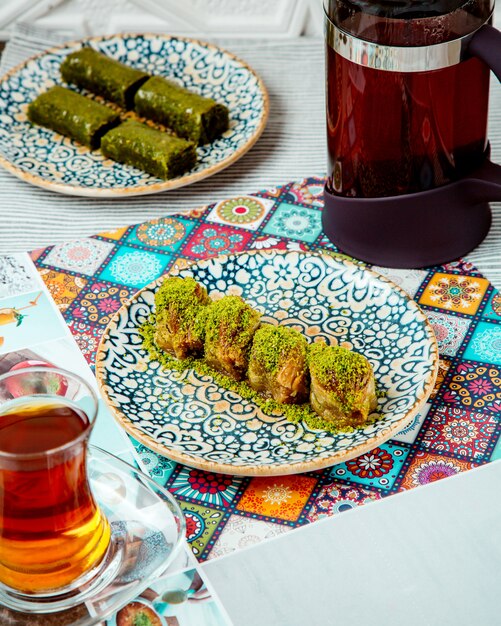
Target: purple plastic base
pixel 408 231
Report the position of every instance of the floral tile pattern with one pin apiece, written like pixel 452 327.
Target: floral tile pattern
pixel 134 268
pixel 99 302
pixel 280 497
pixel 485 344
pixel 201 525
pixel 87 338
pixel 378 468
pixel 243 211
pixel 449 330
pixel 84 256
pixel 460 433
pixel 242 532
pixel 295 222
pixel 335 498
pixel 475 386
pixel 212 489
pixel 211 240
pixel 456 430
pixel 452 292
pixel 427 468
pixel 64 288
pixel 310 191
pixel 166 233
pixel 493 307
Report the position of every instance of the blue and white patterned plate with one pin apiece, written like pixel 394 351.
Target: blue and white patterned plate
pixel 46 159
pixel 189 418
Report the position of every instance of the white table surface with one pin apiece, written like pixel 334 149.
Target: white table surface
pixel 426 557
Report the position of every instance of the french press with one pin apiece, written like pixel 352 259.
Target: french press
pixel 407 82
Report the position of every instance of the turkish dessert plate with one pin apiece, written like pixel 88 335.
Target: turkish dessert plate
pixel 180 72
pixel 192 417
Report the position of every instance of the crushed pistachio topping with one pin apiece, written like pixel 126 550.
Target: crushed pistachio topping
pixel 230 319
pixel 292 412
pixel 273 344
pixel 340 371
pixel 185 299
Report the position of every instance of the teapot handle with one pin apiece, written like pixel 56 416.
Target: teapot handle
pixel 486 45
pixel 484 184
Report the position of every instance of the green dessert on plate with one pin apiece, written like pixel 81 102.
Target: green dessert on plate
pixel 343 389
pixel 230 327
pixel 278 364
pixel 180 306
pixel 149 149
pixel 104 76
pixel 328 387
pixel 72 115
pixel 188 114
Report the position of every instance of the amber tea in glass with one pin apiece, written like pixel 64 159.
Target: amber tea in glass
pixel 53 535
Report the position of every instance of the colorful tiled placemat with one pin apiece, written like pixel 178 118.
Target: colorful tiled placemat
pixel 458 429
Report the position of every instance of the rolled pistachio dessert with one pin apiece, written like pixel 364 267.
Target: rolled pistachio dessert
pixel 72 115
pixel 92 70
pixel 230 327
pixel 188 114
pixel 181 310
pixel 343 389
pixel 149 149
pixel 278 364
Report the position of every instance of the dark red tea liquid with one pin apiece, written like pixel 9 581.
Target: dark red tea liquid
pixel 391 133
pixel 51 530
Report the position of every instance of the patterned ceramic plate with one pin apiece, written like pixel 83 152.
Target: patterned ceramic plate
pixel 190 419
pixel 47 159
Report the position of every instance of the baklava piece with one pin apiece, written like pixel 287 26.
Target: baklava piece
pixel 181 307
pixel 343 389
pixel 277 365
pixel 231 324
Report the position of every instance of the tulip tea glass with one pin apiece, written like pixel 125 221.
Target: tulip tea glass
pixel 53 536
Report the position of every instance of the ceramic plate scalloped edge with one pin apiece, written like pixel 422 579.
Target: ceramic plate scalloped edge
pixel 339 456
pixel 187 179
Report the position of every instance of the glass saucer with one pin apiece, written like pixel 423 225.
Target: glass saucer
pixel 148 530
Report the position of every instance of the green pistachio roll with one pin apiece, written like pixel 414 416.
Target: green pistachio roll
pixel 148 149
pixel 72 115
pixel 189 115
pixel 101 75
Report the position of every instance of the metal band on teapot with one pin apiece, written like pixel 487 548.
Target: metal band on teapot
pixel 395 58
